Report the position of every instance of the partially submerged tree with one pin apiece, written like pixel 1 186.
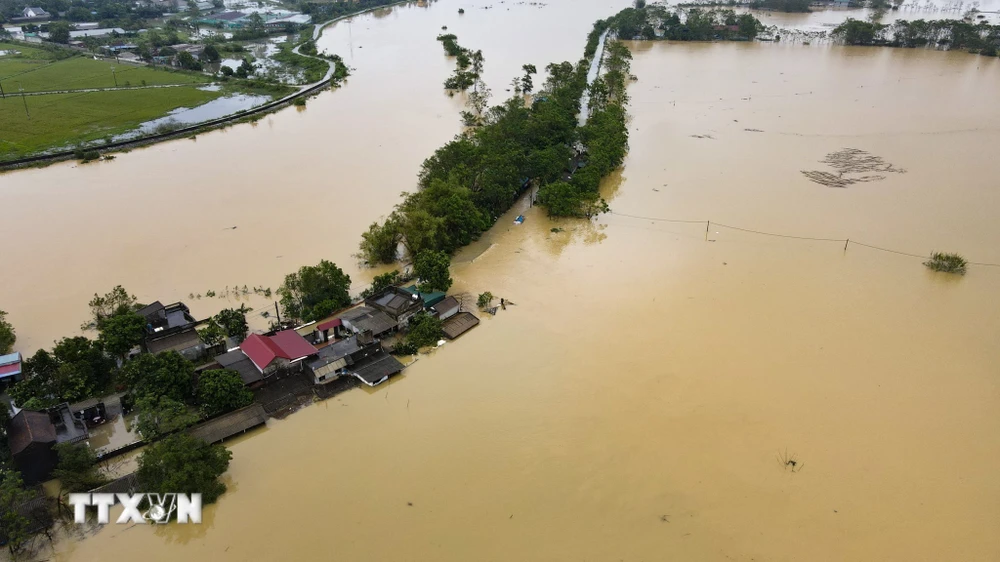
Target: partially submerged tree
pixel 75 369
pixel 13 525
pixel 423 330
pixel 111 303
pixel 315 291
pixel 234 322
pixel 122 332
pixel 431 269
pixel 485 300
pixel 222 390
pixel 77 469
pixel 161 415
pixel 7 334
pixel 184 464
pixel 947 263
pixel 164 374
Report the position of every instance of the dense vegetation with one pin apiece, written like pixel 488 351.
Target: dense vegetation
pixel 7 334
pixel 947 263
pixel 313 292
pixel 186 465
pixel 981 38
pixel 684 24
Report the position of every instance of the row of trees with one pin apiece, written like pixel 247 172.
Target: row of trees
pixel 981 38
pixel 684 24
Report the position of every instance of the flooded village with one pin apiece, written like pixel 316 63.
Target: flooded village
pixel 705 372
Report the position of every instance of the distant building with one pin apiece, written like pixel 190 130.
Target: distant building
pixel 10 367
pixel 225 20
pixel 160 318
pixel 288 22
pixel 284 350
pixel 399 304
pixel 35 13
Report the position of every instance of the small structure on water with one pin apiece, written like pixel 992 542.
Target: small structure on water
pixel 459 324
pixel 10 367
pixel 338 359
pixel 446 308
pixel 399 304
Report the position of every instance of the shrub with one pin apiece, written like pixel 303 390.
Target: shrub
pixel 485 300
pixel 947 263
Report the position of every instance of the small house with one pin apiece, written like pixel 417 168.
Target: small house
pixel 185 341
pixel 10 367
pixel 284 350
pixel 35 13
pixel 446 308
pixel 160 318
pixel 31 436
pixel 399 304
pixel 238 361
pixel 365 319
pixel 377 369
pixel 337 358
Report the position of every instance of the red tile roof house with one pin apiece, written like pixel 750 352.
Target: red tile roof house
pixel 284 350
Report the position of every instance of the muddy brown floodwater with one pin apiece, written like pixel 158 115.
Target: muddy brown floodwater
pixel 640 399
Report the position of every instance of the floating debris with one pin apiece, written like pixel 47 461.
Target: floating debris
pixel 851 161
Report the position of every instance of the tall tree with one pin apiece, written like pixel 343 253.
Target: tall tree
pixel 164 374
pixel 432 269
pixel 113 302
pixel 13 525
pixel 7 334
pixel 222 390
pixel 234 322
pixel 323 287
pixel 184 464
pixel 77 469
pixel 161 415
pixel 121 332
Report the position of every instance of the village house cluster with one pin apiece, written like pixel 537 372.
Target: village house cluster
pixel 317 359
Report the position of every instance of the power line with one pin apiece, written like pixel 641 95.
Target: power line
pixel 846 241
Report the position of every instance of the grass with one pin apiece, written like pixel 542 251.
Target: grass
pixel 37 71
pixel 61 120
pixel 947 263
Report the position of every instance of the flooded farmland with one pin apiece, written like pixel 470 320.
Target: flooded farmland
pixel 642 399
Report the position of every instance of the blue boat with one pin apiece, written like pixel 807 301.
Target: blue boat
pixel 519 219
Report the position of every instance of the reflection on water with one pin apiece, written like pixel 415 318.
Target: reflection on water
pixel 220 107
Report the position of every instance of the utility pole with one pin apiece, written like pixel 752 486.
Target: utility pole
pixel 115 76
pixel 2 95
pixel 24 99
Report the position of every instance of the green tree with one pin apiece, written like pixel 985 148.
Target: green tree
pixel 526 82
pixel 184 464
pixel 122 332
pixel 164 374
pixel 7 334
pixel 77 469
pixel 114 302
pixel 187 61
pixel 379 243
pixel 485 299
pixel 160 415
pixel 222 390
pixel 13 525
pixel 212 334
pixel 432 269
pixel 210 54
pixel 324 284
pixel 423 330
pixel 381 282
pixel 234 322
pixel 59 32
pixel 77 368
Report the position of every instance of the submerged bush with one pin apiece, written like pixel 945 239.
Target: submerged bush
pixel 948 263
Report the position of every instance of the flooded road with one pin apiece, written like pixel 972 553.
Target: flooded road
pixel 642 399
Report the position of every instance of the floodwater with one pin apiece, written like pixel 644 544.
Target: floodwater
pixel 642 399
pixel 214 109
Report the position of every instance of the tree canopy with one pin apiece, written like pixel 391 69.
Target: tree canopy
pixel 75 369
pixel 7 334
pixel 234 322
pixel 184 464
pixel 77 469
pixel 222 390
pixel 121 332
pixel 314 291
pixel 431 269
pixel 164 374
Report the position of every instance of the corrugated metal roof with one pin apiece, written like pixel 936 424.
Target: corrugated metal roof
pixel 331 324
pixel 29 427
pixel 10 358
pixel 459 324
pixel 262 350
pixel 228 425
